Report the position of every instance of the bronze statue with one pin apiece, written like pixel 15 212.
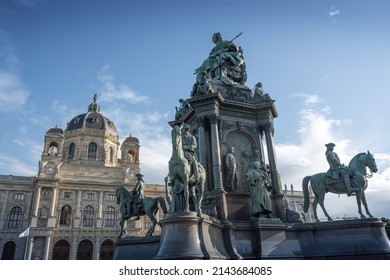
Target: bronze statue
pixel 225 63
pixel 183 108
pixel 259 185
pixel 137 195
pixel 336 168
pixel 320 184
pixel 231 170
pixel 181 169
pixel 149 207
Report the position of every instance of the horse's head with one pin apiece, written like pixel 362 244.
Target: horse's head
pixel 176 136
pixel 370 162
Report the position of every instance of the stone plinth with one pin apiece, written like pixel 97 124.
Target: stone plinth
pixel 186 236
pixel 136 248
pixel 349 240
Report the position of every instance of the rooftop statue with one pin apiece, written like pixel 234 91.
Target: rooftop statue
pixel 259 93
pixel 186 177
pixel 182 109
pixel 323 182
pixel 224 63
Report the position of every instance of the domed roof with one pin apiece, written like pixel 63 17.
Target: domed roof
pixel 93 120
pixel 55 130
pixel 131 139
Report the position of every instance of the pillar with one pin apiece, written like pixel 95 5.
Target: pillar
pixel 215 153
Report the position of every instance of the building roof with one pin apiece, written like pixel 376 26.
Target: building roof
pixel 93 119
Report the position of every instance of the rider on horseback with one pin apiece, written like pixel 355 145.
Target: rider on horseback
pixel 137 195
pixel 336 168
pixel 189 146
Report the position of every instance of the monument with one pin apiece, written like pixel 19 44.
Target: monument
pixel 224 187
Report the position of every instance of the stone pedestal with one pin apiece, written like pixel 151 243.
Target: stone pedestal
pixel 186 236
pixel 343 240
pixel 136 248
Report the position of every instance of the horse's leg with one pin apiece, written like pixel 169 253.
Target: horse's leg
pixel 154 223
pixel 321 199
pixel 200 194
pixel 365 204
pixel 315 202
pixel 121 223
pixel 359 203
pixel 186 193
pixel 195 199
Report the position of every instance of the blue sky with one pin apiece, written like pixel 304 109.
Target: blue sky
pixel 326 63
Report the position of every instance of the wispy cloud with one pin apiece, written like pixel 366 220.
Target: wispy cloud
pixel 111 92
pixel 119 104
pixel 13 92
pixel 16 167
pixel 334 14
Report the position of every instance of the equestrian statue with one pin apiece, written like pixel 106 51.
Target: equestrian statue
pixel 349 179
pixel 131 206
pixel 185 171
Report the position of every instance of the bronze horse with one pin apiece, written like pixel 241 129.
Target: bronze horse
pixel 150 206
pixel 180 169
pixel 320 186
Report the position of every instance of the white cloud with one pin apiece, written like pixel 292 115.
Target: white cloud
pixel 149 126
pixel 307 157
pixel 15 167
pixel 334 13
pixel 111 92
pixel 13 93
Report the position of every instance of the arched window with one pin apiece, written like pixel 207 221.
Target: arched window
pixel 15 217
pixel 71 151
pixel 53 149
pixel 131 156
pixel 61 250
pixel 85 250
pixel 88 216
pixel 106 250
pixel 92 150
pixel 9 251
pixel 109 217
pixel 65 216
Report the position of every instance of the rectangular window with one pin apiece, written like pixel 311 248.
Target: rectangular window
pixel 68 195
pixel 90 196
pixel 19 197
pixel 111 197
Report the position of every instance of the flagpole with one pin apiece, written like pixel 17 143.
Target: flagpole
pixel 25 248
pixel 27 241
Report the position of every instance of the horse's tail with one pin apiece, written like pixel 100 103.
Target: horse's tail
pixel 162 203
pixel 306 196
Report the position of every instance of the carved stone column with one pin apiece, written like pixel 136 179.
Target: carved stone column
pixel 77 219
pixel 37 199
pixel 275 175
pixel 216 153
pixel 52 216
pixel 3 209
pixel 29 247
pixel 202 140
pixel 47 248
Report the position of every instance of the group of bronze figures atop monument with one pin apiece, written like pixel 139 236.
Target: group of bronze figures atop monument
pixel 223 187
